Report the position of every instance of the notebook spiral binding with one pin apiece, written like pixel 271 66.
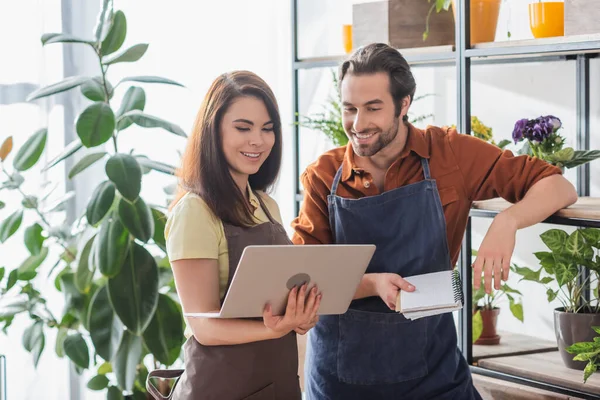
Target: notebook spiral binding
pixel 457 287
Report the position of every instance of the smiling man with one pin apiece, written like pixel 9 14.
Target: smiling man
pixel 408 191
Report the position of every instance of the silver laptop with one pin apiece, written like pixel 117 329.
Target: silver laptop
pixel 266 274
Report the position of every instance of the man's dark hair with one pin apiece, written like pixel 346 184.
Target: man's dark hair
pixel 379 57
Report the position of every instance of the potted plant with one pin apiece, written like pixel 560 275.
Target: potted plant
pixel 565 281
pixel 541 138
pixel 486 310
pixel 329 122
pixel 588 352
pixel 121 316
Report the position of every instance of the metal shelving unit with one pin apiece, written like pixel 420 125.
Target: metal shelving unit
pixel 578 48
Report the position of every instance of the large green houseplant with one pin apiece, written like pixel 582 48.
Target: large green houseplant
pixel 121 316
pixel 565 281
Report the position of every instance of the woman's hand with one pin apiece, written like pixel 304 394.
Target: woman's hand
pixel 301 311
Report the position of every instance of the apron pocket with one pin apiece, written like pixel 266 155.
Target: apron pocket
pixel 380 348
pixel 266 393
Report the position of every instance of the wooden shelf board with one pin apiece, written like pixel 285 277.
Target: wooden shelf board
pixel 584 208
pixel 544 367
pixel 512 344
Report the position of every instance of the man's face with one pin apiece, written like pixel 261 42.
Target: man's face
pixel 368 112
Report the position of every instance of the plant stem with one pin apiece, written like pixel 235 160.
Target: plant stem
pixel 39 213
pixel 106 93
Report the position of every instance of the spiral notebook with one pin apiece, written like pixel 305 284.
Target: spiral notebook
pixel 435 293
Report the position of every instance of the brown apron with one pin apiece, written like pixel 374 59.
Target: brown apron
pixel 264 370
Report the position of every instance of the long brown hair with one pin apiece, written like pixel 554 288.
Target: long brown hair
pixel 205 171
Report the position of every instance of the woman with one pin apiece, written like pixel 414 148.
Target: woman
pixel 232 157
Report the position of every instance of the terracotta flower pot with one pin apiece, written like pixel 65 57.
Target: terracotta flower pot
pixel 571 328
pixel 489 336
pixel 484 19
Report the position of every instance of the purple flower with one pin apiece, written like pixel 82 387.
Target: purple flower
pixel 554 121
pixel 518 130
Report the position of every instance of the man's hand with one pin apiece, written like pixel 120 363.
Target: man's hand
pixel 495 252
pixel 388 285
pixel 300 311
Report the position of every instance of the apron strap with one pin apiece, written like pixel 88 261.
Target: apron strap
pixel 336 180
pixel 264 208
pixel 425 165
pixel 162 374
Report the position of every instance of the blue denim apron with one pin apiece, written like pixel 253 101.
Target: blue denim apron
pixel 372 352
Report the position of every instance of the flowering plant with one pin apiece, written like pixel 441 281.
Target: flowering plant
pixel 543 141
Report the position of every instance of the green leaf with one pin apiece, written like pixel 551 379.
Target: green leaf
pixel 134 99
pixel 477 322
pixel 74 300
pixel 85 267
pixel 104 21
pixel 62 86
pixel 11 307
pixel 95 91
pixel 12 280
pixel 156 165
pixel 561 156
pixel 507 289
pixel 60 204
pixel 77 350
pixel 134 291
pixel 49 38
pixel 2 272
pixel 555 239
pixel 581 347
pixel 132 54
pixel 34 239
pixel 34 340
pixel 596 329
pixel 546 260
pixel 591 236
pixel 28 269
pixel 516 309
pixel 114 393
pixel 112 247
pixel 150 79
pixel 565 270
pixel 164 336
pixel 126 173
pixel 546 280
pixel 99 382
pixel 31 151
pixel 137 218
pixel 95 125
pixel 61 335
pixel 127 358
pixel 504 143
pixel 575 244
pixel 2 205
pixel 528 274
pixel 587 356
pixel 160 221
pixel 106 330
pixel 589 369
pixel 582 157
pixel 30 202
pixel 551 294
pixel 85 162
pixel 149 121
pixel 101 202
pixel 106 367
pixel 71 149
pixel 116 35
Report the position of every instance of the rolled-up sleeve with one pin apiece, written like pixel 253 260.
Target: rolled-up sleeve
pixel 312 224
pixel 490 172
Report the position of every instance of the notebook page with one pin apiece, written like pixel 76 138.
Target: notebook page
pixel 433 290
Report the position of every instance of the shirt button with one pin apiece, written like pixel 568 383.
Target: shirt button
pixel 367 184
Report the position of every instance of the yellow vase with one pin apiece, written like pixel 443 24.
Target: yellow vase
pixel 347 38
pixel 484 19
pixel 547 19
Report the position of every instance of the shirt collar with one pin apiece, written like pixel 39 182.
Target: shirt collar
pixel 252 196
pixel 415 142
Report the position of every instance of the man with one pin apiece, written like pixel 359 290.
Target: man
pixel 408 192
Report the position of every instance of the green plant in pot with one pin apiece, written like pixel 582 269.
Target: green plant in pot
pixel 121 316
pixel 486 310
pixel 329 122
pixel 566 281
pixel 588 352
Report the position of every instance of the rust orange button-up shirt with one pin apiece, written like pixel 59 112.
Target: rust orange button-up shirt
pixel 465 168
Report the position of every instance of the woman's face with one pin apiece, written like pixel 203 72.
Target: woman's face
pixel 247 136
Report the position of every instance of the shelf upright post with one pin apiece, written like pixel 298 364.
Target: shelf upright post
pixel 295 107
pixel 463 72
pixel 582 76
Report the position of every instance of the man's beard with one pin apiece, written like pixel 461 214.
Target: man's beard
pixel 383 139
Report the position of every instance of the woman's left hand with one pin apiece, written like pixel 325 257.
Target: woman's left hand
pixel 302 329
